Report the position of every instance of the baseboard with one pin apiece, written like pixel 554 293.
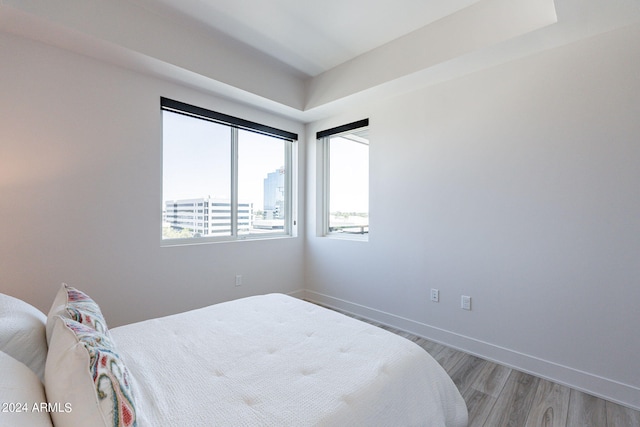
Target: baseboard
pixel 605 388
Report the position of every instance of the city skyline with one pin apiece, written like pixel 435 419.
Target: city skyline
pixel 209 216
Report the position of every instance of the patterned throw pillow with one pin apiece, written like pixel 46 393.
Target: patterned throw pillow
pixel 84 310
pixel 85 371
pixel 73 304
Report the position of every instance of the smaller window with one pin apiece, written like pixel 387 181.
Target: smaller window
pixel 345 180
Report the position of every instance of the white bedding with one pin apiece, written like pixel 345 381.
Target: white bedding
pixel 274 360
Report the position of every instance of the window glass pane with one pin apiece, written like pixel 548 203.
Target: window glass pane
pixel 261 184
pixel 220 181
pixel 349 183
pixel 196 188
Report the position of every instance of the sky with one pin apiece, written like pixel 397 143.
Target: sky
pixel 197 160
pixel 197 164
pixel 349 184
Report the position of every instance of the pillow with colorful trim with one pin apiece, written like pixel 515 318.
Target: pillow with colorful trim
pixel 85 372
pixel 73 304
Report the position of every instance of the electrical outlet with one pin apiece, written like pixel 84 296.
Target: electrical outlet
pixel 435 295
pixel 238 279
pixel 465 302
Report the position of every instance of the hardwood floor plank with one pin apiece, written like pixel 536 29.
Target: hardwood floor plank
pixel 492 379
pixel 586 411
pixel 434 349
pixel 448 358
pixel 514 403
pixel 479 406
pixel 550 405
pixel 465 372
pixel 618 415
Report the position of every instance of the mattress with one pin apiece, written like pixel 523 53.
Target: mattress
pixel 274 360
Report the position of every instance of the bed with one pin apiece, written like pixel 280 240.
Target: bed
pixel 269 360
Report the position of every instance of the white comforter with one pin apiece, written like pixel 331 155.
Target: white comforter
pixel 274 360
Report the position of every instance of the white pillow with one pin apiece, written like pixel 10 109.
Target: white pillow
pixel 22 333
pixel 84 370
pixel 71 303
pixel 21 396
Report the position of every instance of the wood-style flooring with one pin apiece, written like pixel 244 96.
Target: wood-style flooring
pixel 498 396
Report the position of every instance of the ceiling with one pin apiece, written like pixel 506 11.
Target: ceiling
pixel 307 59
pixel 312 36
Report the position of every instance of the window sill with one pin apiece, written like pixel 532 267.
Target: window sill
pixel 346 236
pixel 168 243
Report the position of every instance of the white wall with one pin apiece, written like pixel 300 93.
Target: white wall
pixel 518 186
pixel 80 192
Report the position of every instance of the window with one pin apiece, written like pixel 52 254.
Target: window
pixel 345 180
pixel 238 173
